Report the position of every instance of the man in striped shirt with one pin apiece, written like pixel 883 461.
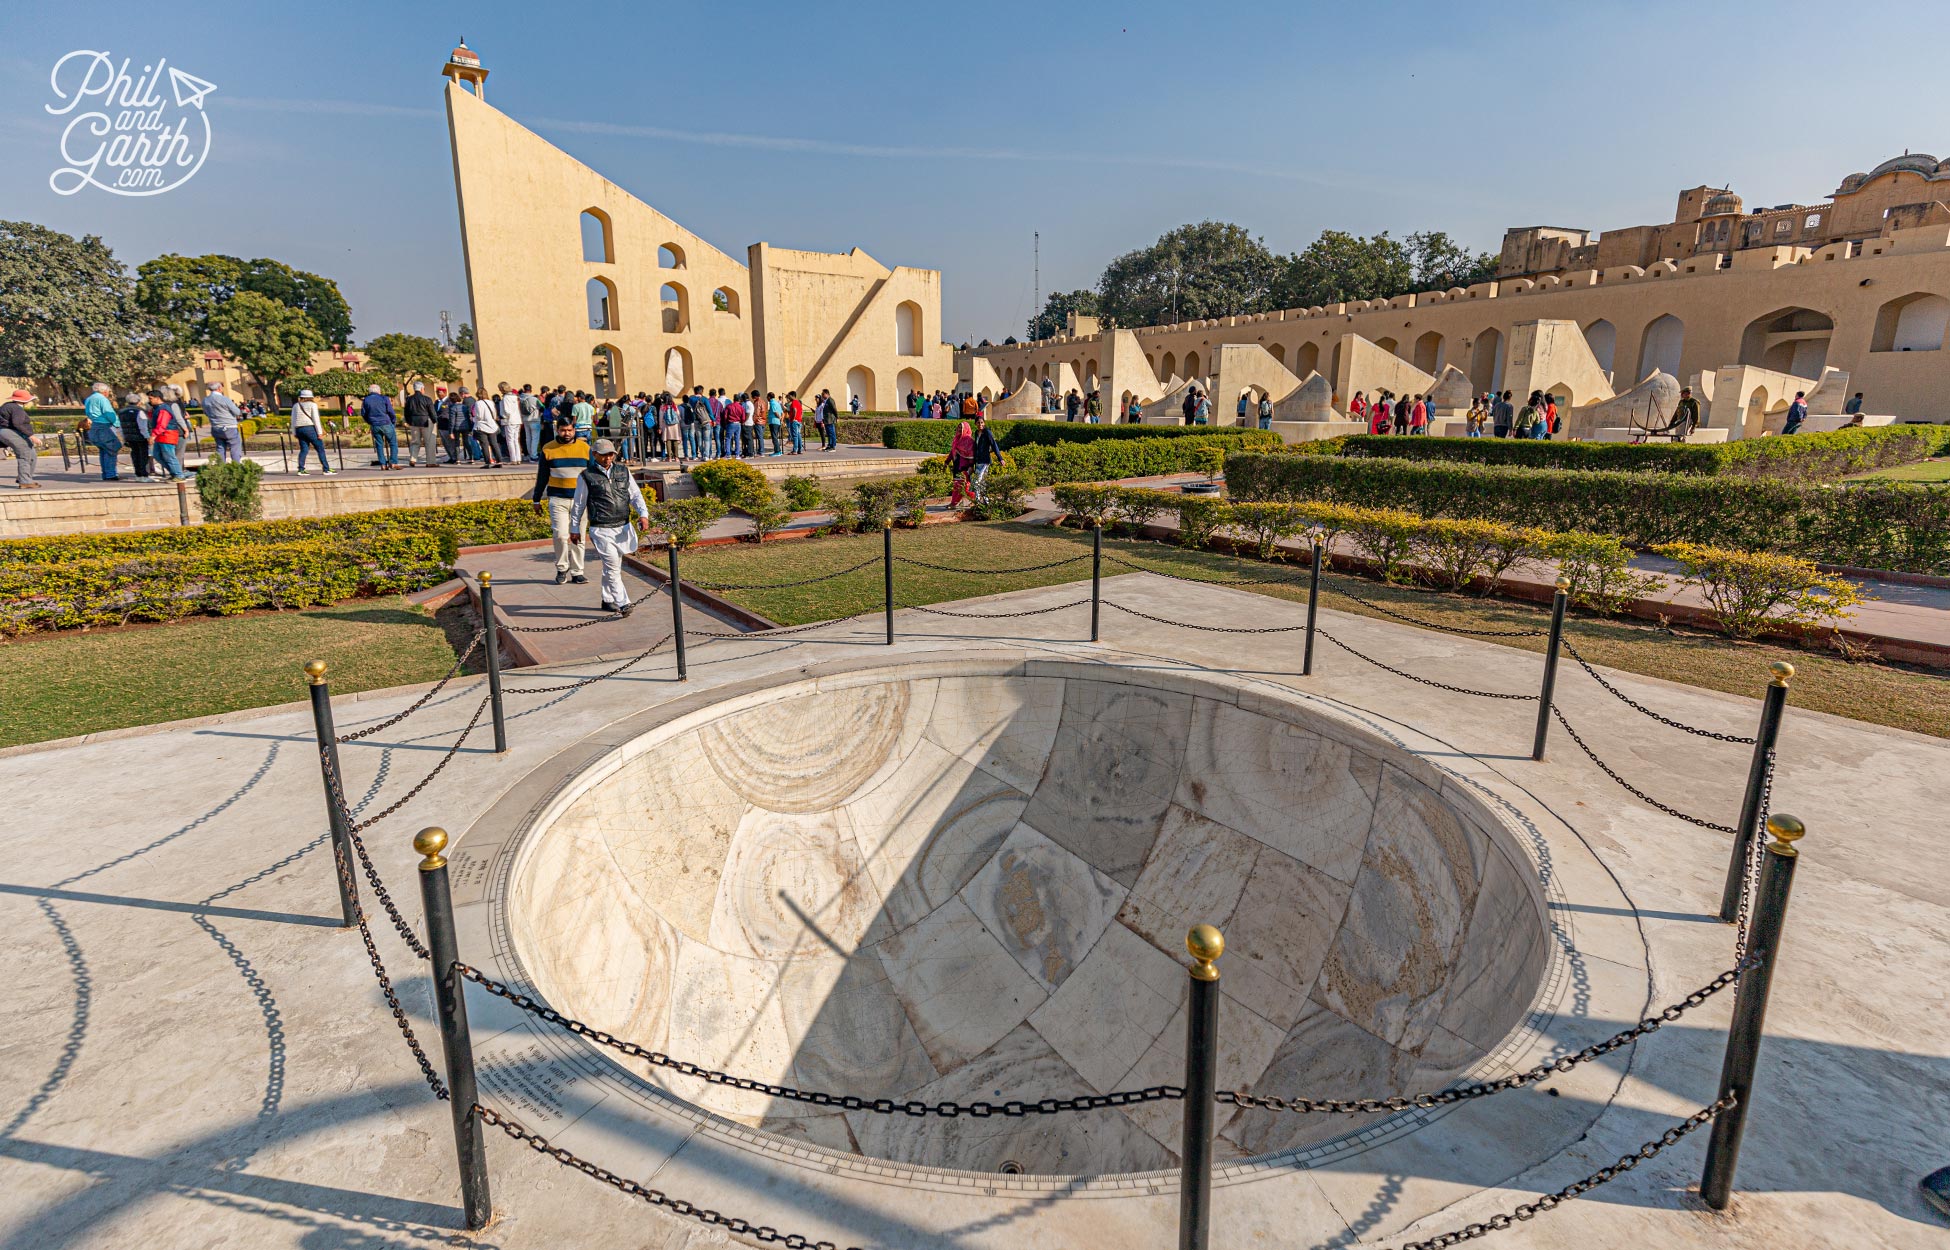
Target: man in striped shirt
pixel 556 472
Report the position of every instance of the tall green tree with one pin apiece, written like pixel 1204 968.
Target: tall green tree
pixel 272 340
pixel 68 312
pixel 1057 309
pixel 1440 262
pixel 464 339
pixel 1212 269
pixel 1339 267
pixel 410 358
pixel 185 292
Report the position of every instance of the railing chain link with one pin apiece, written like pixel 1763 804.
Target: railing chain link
pixel 949 568
pixel 824 577
pixel 1628 701
pixel 1756 853
pixel 591 680
pixel 991 616
pixel 1385 610
pixel 424 699
pixel 1635 792
pixel 1426 681
pixel 1209 629
pixel 433 1080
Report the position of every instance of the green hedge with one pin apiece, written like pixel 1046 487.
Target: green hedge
pixel 935 436
pixel 466 524
pixel 1105 460
pixel 1874 525
pixel 1798 457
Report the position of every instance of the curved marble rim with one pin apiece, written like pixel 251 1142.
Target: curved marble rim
pixel 494 848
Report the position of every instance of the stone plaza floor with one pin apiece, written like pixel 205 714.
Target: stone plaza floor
pixel 200 1057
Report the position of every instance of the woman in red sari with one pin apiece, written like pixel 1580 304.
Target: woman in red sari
pixel 961 463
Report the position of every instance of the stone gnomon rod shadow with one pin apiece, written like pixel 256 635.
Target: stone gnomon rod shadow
pixel 1759 879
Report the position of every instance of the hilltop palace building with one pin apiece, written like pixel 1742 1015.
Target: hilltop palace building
pixel 1745 306
pixel 573 280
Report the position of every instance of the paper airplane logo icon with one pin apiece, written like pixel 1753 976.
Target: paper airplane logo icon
pixel 189 89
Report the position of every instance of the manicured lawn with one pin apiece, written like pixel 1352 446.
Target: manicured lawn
pixel 76 683
pixel 1936 470
pixel 1878 693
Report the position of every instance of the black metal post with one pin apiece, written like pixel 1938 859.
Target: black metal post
pixel 328 768
pixel 1096 574
pixel 1206 944
pixel 887 574
pixel 1562 597
pixel 284 456
pixel 450 1004
pixel 677 612
pixel 1313 607
pixel 490 639
pixel 182 503
pixel 1750 1010
pixel 1747 828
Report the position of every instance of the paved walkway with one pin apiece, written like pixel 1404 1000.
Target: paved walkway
pixel 527 598
pixel 198 1057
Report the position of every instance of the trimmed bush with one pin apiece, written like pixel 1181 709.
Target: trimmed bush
pixel 1750 591
pixel 935 436
pixel 1889 525
pixel 802 493
pixel 1005 496
pixel 732 481
pixel 683 521
pixel 1598 568
pixel 1091 501
pixel 1797 457
pixel 1106 460
pixel 1265 524
pixel 229 492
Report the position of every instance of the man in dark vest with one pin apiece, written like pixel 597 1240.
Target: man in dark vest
pixel 608 495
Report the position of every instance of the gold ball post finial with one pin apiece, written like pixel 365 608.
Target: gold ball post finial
pixel 1782 671
pixel 1564 585
pixel 315 672
pixel 429 842
pixel 1786 830
pixel 487 578
pixel 1206 944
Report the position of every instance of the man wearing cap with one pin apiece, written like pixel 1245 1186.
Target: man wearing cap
pixel 223 414
pixel 557 470
pixel 377 409
pixel 17 436
pixel 1685 416
pixel 609 495
pixel 421 417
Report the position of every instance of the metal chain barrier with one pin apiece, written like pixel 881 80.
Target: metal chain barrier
pixel 1209 629
pixel 1483 1089
pixel 655 1197
pixel 433 1080
pixel 1628 701
pixel 845 1102
pixel 557 629
pixel 580 682
pixel 824 577
pixel 949 568
pixel 1756 854
pixel 991 616
pixel 338 793
pixel 1636 793
pixel 1296 583
pixel 1439 685
pixel 1550 1202
pixel 424 699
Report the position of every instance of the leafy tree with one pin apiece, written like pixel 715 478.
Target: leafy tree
pixel 1212 269
pixel 719 301
pixel 1057 309
pixel 341 383
pixel 464 340
pixel 1339 267
pixel 410 358
pixel 272 340
pixel 1440 262
pixel 68 312
pixel 185 292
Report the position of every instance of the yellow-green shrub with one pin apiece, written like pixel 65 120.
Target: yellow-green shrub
pixel 1749 591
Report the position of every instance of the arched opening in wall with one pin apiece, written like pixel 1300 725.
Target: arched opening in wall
pixel 907 328
pixel 1565 397
pixel 1076 370
pixel 601 293
pixel 1170 369
pixel 606 368
pixel 1123 406
pixel 1278 352
pixel 725 300
pixel 1387 345
pixel 676 308
pixel 1788 340
pixel 1089 375
pixel 907 384
pixel 677 370
pixel 1306 359
pixel 1191 365
pixel 859 384
pixel 1661 346
pixel 986 393
pixel 1333 363
pixel 670 256
pixel 1151 363
pixel 1756 412
pixel 597 246
pixel 1429 352
pixel 1914 323
pixel 1601 337
pixel 1486 361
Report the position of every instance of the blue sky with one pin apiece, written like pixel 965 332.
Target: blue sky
pixel 942 136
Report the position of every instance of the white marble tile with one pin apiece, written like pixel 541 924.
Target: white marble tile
pixel 793 882
pixel 1279 935
pixel 1045 906
pixel 808 754
pixel 1303 794
pixel 1112 1008
pixel 1112 770
pixel 667 820
pixel 1247 1043
pixel 1321 1056
pixel 928 827
pixel 962 990
pixel 849 1030
pixel 1002 725
pixel 724 1013
pixel 1195 874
